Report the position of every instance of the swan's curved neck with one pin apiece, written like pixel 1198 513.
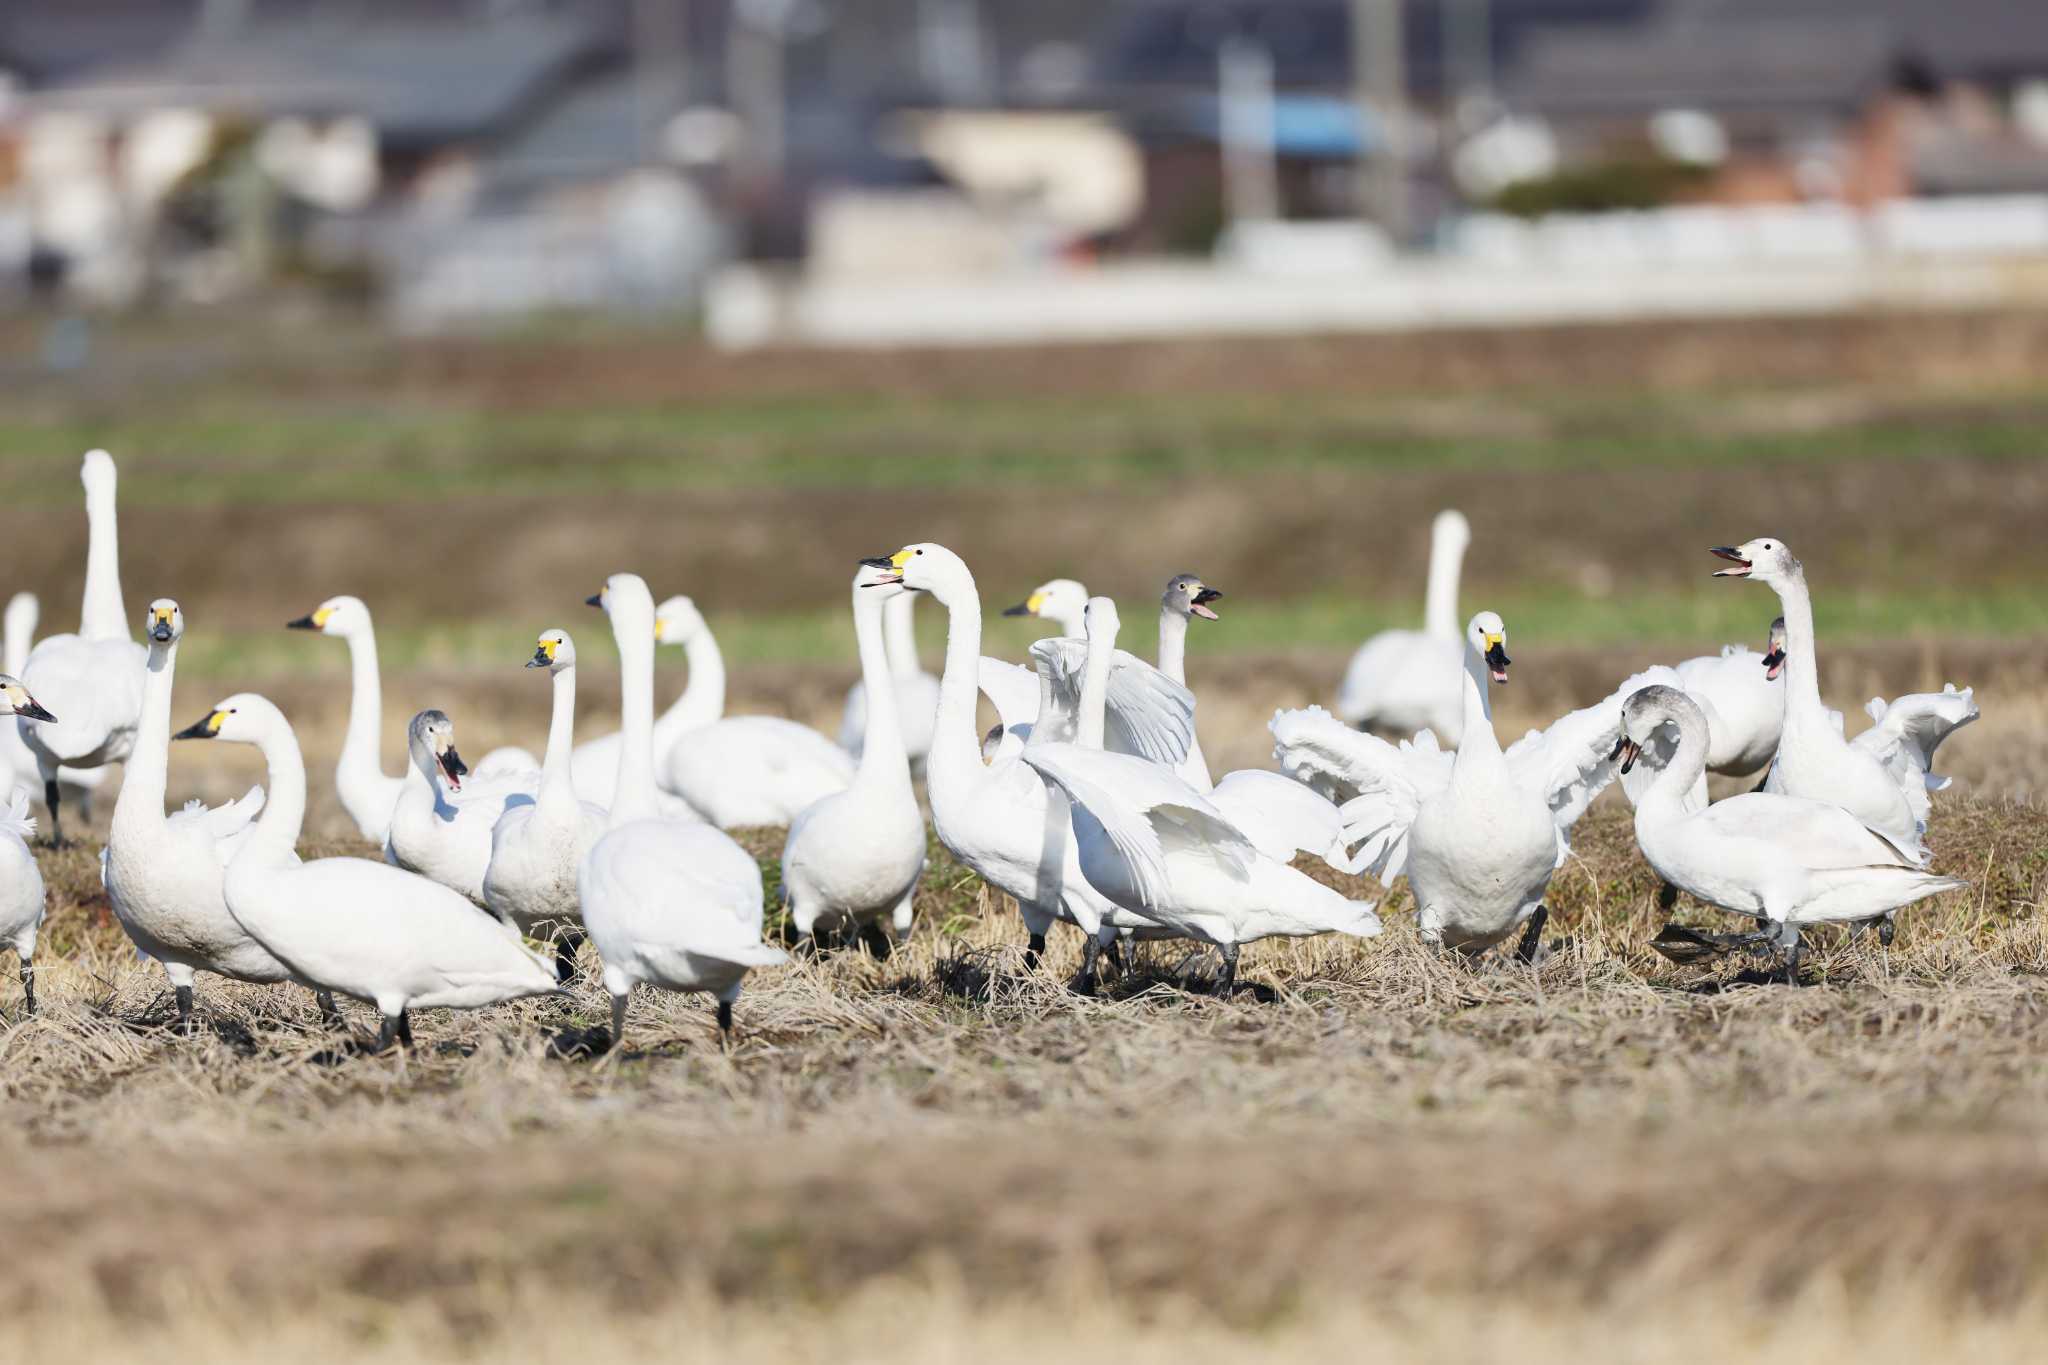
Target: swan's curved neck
pixel 703 699
pixel 634 798
pixel 1478 737
pixel 426 772
pixel 284 810
pixel 103 615
pixel 1094 702
pixel 1804 710
pixel 955 757
pixel 1173 644
pixel 1440 599
pixel 557 785
pixel 899 634
pixel 1665 799
pixel 20 634
pixel 884 762
pixel 1074 627
pixel 147 774
pixel 359 760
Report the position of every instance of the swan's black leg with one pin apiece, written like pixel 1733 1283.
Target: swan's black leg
pixel 1034 948
pixel 1091 954
pixel 566 944
pixel 1794 951
pixel 1887 929
pixel 386 1032
pixel 184 994
pixel 405 1027
pixel 1113 952
pixel 1532 937
pixel 52 800
pixel 330 1013
pixel 619 1020
pixel 1667 896
pixel 1228 985
pixel 725 1021
pixel 28 984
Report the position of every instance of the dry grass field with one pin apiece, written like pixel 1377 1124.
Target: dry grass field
pixel 938 1156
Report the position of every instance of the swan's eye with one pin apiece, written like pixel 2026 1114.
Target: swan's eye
pixel 920 551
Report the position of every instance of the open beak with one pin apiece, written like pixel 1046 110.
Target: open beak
pixel 302 623
pixel 1774 663
pixel 1200 606
pixel 888 565
pixel 453 768
pixel 1733 556
pixel 199 729
pixel 33 709
pixel 1628 751
pixel 1497 660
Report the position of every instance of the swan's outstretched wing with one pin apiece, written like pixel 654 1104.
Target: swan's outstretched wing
pixel 1378 786
pixel 1907 733
pixel 1283 817
pixel 1147 714
pixel 1148 814
pixel 1012 689
pixel 225 826
pixel 14 816
pixel 1572 760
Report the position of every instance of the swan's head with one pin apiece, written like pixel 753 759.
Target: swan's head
pixel 626 600
pixel 1647 711
pixel 1488 636
pixel 245 718
pixel 878 572
pixel 930 568
pixel 1062 600
pixel 342 616
pixel 1451 528
pixel 163 623
pixel 1099 619
pixel 554 652
pixel 1774 650
pixel 1190 596
pixel 1766 560
pixel 677 622
pixel 15 700
pixel 431 738
pixel 97 472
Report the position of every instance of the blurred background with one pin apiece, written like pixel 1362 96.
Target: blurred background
pixel 458 305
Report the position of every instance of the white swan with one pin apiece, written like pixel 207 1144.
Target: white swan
pixel 917 692
pixel 97 673
pixel 857 855
pixel 21 881
pixel 351 926
pixel 1814 761
pixel 594 765
pixel 1061 601
pixel 1404 680
pixel 441 827
pixel 1160 850
pixel 1742 694
pixel 1788 860
pixel 999 819
pixel 1904 735
pixel 18 766
pixel 1474 860
pixel 367 793
pixel 538 848
pixel 670 904
pixel 1185 598
pixel 163 876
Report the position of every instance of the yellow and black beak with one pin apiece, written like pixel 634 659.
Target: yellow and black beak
pixel 160 626
pixel 1028 607
pixel 1628 751
pixel 208 728
pixel 1497 660
pixel 301 623
pixel 888 564
pixel 543 656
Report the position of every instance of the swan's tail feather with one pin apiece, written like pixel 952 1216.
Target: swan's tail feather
pixel 14 816
pixel 752 955
pixel 1364 921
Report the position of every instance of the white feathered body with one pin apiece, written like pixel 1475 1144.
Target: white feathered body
pixel 21 882
pixel 1480 853
pixel 536 854
pixel 95 687
pixel 1745 710
pixel 852 860
pixel 446 836
pixel 164 879
pixel 678 906
pixel 746 771
pixel 1403 681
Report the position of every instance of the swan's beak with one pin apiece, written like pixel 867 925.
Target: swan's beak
pixel 1200 606
pixel 301 623
pixel 540 659
pixel 453 767
pixel 208 728
pixel 887 565
pixel 1628 751
pixel 160 627
pixel 1028 607
pixel 1497 658
pixel 1774 662
pixel 33 709
pixel 595 599
pixel 1733 556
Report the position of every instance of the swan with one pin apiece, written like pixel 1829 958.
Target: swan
pixel 917 692
pixel 17 761
pixel 21 881
pixel 96 673
pixel 537 847
pixel 1905 733
pixel 671 904
pixel 999 819
pixel 358 928
pixel 1465 829
pixel 594 764
pixel 1814 761
pixel 1159 849
pixel 1061 601
pixel 857 854
pixel 441 827
pixel 1402 681
pixel 1786 859
pixel 1742 694
pixel 163 875
pixel 367 793
pixel 1185 598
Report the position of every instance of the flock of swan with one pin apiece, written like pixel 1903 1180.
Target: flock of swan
pixel 1089 803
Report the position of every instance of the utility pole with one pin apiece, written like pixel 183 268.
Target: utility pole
pixel 1379 77
pixel 1244 79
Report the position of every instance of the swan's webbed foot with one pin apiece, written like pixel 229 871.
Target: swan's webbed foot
pixel 330 1013
pixel 1684 945
pixel 1532 937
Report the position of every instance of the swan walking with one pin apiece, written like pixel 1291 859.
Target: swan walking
pixel 857 855
pixel 363 929
pixel 441 827
pixel 1742 695
pixel 21 882
pixel 917 692
pixel 18 765
pixel 1061 601
pixel 1787 860
pixel 164 875
pixel 667 903
pixel 96 673
pixel 367 792
pixel 1402 681
pixel 537 848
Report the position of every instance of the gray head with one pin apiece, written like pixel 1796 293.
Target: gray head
pixel 1774 650
pixel 15 700
pixel 1188 595
pixel 1488 636
pixel 554 652
pixel 1766 559
pixel 431 738
pixel 1645 711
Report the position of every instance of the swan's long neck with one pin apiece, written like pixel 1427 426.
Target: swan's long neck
pixel 22 613
pixel 359 757
pixel 634 796
pixel 147 774
pixel 703 699
pixel 1804 711
pixel 1665 799
pixel 1173 644
pixel 899 634
pixel 426 772
pixel 884 762
pixel 557 786
pixel 1094 702
pixel 103 615
pixel 1440 600
pixel 284 810
pixel 955 758
pixel 1479 739
pixel 1073 626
